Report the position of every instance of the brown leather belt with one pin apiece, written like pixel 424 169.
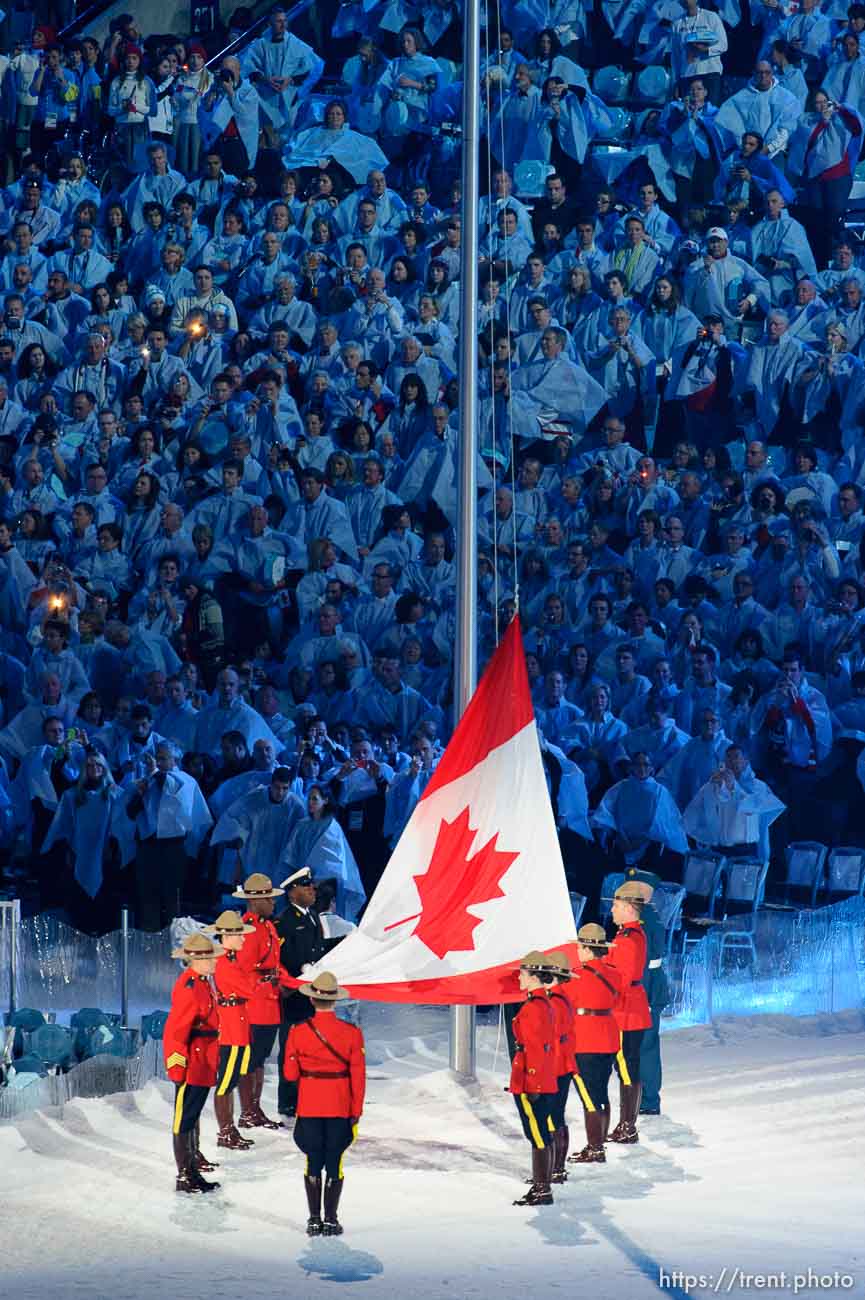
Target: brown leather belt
pixel 231 1002
pixel 204 1033
pixel 590 1011
pixel 324 1074
pixel 636 984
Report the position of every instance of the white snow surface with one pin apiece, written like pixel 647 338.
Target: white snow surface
pixel 755 1168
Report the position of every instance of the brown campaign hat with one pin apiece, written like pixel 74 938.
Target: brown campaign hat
pixel 535 961
pixel 646 890
pixel 257 886
pixel 324 986
pixel 197 945
pixel 228 923
pixel 632 891
pixel 593 935
pixel 558 963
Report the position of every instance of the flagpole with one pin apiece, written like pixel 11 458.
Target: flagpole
pixel 462 1021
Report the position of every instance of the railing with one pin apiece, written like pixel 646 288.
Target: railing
pixel 47 965
pixel 796 963
pixel 82 20
pixel 254 30
pixel 10 928
pixel 99 7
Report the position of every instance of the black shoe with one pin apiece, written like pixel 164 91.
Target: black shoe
pixel 331 1228
pixel 191 1182
pixel 203 1165
pixel 536 1196
pixel 314 1227
pixel 650 1110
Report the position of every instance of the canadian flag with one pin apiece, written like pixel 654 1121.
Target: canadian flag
pixel 477 879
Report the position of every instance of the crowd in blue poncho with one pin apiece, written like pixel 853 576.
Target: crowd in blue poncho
pixel 229 421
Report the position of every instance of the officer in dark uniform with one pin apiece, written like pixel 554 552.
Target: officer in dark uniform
pixel 657 991
pixel 302 944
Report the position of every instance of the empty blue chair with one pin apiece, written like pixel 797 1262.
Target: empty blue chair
pixel 27 1066
pixel 805 862
pixel 529 177
pixel 612 85
pixel 653 85
pixel 609 886
pixel 89 1016
pixel 153 1024
pixel 312 111
pixel 746 889
pixel 54 1045
pixel 105 1040
pixel 449 72
pixel 667 901
pixel 578 903
pixel 82 1022
pixel 23 1021
pixel 618 127
pixel 845 870
pixel 702 875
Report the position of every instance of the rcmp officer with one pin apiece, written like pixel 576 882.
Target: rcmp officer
pixel 189 1044
pixel 629 954
pixel 657 992
pixel 324 1059
pixel 235 990
pixel 533 1073
pixel 259 958
pixel 593 991
pixel 302 944
pixel 563 1017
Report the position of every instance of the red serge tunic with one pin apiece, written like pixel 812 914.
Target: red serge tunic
pixel 331 1083
pixel 563 1021
pixel 534 1065
pixel 628 953
pixel 189 1039
pixel 596 986
pixel 234 992
pixel 259 957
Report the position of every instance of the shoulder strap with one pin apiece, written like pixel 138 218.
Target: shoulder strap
pixel 330 1047
pixel 597 974
pixel 263 958
pixel 560 997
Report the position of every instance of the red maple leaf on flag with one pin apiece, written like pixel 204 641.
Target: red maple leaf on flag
pixel 452 883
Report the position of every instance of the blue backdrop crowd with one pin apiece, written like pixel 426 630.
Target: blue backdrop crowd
pixel 229 416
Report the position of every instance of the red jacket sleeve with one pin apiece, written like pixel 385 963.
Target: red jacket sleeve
pixel 230 979
pixel 357 1072
pixel 290 1064
pixel 628 954
pixel 175 1036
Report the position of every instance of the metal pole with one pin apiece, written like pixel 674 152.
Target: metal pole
pixel 462 1028
pixel 13 954
pixel 124 968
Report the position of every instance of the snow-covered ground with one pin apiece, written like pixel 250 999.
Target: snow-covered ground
pixel 754 1168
